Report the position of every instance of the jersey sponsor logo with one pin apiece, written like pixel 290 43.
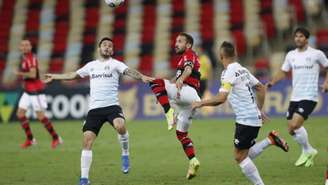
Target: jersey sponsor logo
pixel 103 75
pixel 296 67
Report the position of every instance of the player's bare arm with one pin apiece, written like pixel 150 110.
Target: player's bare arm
pixel 260 97
pixel 65 76
pixel 186 73
pixel 276 78
pixel 324 86
pixel 137 75
pixel 30 74
pixel 217 100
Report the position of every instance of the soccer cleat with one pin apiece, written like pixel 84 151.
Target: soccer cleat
pixel 170 119
pixel 125 164
pixel 278 141
pixel 193 167
pixel 28 143
pixel 84 181
pixel 56 142
pixel 309 162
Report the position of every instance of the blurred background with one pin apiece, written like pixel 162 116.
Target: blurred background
pixel 65 35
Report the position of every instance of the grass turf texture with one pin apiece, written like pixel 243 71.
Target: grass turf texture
pixel 157 157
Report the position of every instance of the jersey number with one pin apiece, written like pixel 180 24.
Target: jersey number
pixel 250 92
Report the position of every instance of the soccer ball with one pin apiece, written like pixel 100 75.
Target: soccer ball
pixel 114 3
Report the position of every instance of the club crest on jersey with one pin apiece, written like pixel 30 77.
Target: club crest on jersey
pixel 107 68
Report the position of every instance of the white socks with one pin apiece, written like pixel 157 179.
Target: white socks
pixel 249 169
pixel 86 160
pixel 124 142
pixel 301 137
pixel 258 148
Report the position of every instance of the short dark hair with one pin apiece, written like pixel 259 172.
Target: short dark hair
pixel 228 49
pixel 302 30
pixel 188 37
pixel 103 39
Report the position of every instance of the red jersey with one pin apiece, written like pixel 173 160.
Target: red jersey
pixel 31 85
pixel 190 58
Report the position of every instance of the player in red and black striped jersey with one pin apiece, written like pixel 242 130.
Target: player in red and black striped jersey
pixel 180 93
pixel 33 96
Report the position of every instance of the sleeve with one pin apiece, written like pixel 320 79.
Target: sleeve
pixel 121 67
pixel 322 59
pixel 286 65
pixel 84 71
pixel 189 60
pixel 227 81
pixel 252 79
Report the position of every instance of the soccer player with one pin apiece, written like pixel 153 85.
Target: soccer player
pixel 237 85
pixel 180 93
pixel 33 96
pixel 304 62
pixel 104 74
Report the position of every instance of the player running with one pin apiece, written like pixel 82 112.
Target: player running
pixel 304 62
pixel 237 85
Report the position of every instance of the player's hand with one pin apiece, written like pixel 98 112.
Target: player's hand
pixel 196 105
pixel 48 78
pixel 147 79
pixel 324 87
pixel 265 117
pixel 268 85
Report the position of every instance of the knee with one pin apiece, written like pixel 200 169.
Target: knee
pixel 240 156
pixel 87 142
pixel 181 135
pixel 20 114
pixel 291 128
pixel 120 128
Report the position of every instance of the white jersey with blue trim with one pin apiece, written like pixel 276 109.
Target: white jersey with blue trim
pixel 305 67
pixel 239 82
pixel 104 81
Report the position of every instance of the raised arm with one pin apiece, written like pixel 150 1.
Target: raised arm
pixel 65 76
pixel 137 75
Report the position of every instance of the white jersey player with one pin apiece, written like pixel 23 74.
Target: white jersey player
pixel 104 106
pixel 237 85
pixel 304 62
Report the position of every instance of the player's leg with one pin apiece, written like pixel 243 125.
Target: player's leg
pixel 116 118
pixel 39 104
pixel 90 130
pixel 272 139
pixel 159 88
pixel 23 105
pixel 184 121
pixel 244 139
pixel 297 114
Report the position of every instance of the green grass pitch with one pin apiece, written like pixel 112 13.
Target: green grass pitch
pixel 157 157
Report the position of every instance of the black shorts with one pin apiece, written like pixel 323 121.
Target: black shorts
pixel 97 117
pixel 245 136
pixel 303 108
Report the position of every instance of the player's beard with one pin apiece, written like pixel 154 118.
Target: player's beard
pixel 179 51
pixel 105 55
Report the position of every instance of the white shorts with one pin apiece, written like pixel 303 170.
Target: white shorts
pixel 37 102
pixel 182 104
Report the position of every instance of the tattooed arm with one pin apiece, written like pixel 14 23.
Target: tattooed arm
pixel 137 75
